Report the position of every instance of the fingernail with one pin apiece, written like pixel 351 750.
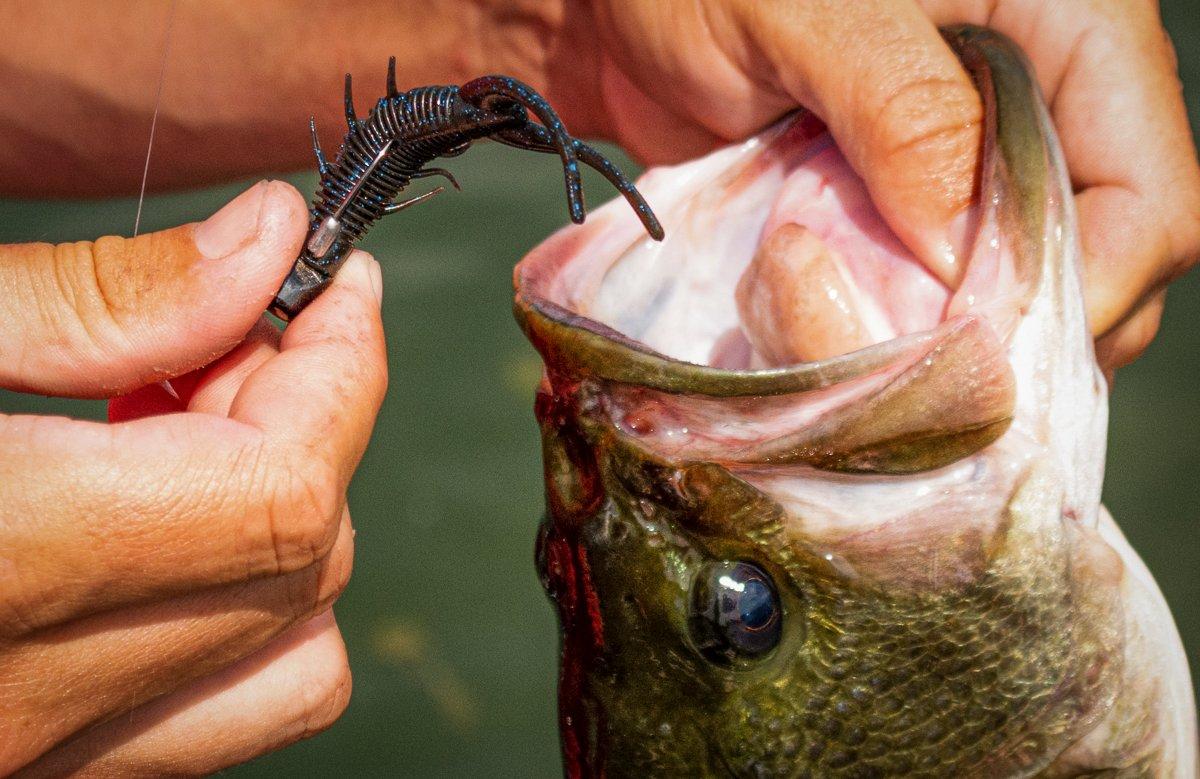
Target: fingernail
pixel 233 227
pixel 361 270
pixel 376 273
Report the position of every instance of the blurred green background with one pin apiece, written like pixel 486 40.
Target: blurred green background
pixel 451 639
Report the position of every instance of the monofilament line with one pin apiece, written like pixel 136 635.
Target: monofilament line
pixel 162 77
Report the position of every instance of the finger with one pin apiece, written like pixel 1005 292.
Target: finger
pixel 101 516
pixel 320 395
pixel 1109 73
pixel 1139 210
pixel 902 109
pixel 99 319
pixel 647 128
pixel 1126 342
pixel 74 676
pixel 210 389
pixel 178 502
pixel 218 384
pixel 291 689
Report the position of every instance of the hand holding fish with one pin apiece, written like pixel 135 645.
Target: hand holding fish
pixel 187 558
pixel 907 117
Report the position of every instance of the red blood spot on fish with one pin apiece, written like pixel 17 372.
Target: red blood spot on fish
pixel 569 582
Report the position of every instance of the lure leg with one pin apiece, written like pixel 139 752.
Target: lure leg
pixel 392 208
pixel 322 163
pixel 456 150
pixel 534 138
pixel 420 174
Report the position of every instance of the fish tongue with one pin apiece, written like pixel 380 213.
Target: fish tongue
pixel 798 302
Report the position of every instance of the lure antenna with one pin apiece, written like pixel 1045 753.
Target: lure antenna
pixel 351 117
pixel 391 78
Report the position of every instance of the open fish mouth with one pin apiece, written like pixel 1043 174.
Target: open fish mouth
pixel 811 510
pixel 864 336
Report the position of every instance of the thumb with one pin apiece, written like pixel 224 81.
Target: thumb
pixel 97 319
pixel 902 109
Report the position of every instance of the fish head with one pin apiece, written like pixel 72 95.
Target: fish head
pixel 770 557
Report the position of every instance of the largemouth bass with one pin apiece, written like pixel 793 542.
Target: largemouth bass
pixel 773 559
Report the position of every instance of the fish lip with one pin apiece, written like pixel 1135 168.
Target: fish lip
pixel 600 352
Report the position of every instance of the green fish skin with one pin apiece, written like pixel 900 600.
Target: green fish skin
pixel 892 562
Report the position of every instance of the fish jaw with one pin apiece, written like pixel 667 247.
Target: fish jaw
pixel 954 599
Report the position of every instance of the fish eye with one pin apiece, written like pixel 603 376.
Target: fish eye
pixel 736 613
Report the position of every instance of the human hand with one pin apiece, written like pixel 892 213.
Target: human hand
pixel 165 580
pixel 673 79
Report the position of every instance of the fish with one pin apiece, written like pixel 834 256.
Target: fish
pixel 813 512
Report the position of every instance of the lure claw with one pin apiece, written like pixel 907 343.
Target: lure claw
pixel 426 172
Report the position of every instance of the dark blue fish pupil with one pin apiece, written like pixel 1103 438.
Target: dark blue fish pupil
pixel 736 613
pixel 757 605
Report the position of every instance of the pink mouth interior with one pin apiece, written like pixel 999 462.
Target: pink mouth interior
pixel 774 255
pixel 825 196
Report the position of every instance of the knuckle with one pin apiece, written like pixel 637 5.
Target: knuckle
pixel 926 134
pixel 102 286
pixel 96 280
pixel 1129 341
pixel 1187 231
pixel 117 284
pixel 19 616
pixel 929 117
pixel 335 573
pixel 301 513
pixel 74 302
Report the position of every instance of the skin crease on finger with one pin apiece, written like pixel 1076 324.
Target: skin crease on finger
pixel 109 664
pixel 293 688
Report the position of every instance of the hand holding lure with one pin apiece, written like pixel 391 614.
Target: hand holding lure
pixel 405 131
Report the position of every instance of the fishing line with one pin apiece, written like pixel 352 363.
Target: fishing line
pixel 162 78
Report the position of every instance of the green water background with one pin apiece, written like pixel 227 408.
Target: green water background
pixel 450 637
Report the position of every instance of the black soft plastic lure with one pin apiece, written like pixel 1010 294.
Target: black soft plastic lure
pixel 402 134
